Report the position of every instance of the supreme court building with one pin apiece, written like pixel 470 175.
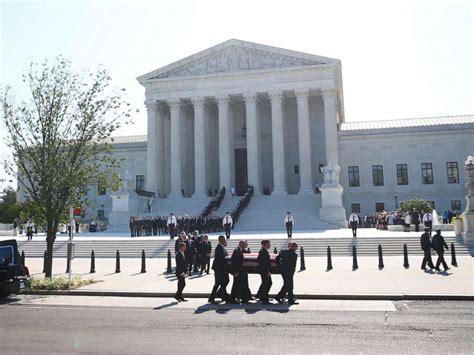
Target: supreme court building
pixel 242 113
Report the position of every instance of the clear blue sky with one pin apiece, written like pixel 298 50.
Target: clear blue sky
pixel 400 59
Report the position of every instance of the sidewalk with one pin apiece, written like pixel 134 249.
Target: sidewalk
pixel 393 282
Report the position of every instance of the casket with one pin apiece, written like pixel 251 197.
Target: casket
pixel 251 263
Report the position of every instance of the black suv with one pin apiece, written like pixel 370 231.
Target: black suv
pixel 13 274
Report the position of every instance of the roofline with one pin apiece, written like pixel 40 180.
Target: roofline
pixel 413 118
pixel 228 43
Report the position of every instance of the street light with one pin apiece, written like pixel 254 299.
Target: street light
pixel 396 201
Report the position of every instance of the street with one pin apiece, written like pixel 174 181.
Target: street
pixel 68 324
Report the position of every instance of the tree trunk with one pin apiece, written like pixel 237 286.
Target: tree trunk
pixel 50 238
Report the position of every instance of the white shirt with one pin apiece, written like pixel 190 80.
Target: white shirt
pixel 427 217
pixel 353 218
pixel 289 218
pixel 227 220
pixel 172 220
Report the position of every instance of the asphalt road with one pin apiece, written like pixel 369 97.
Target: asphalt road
pixel 31 324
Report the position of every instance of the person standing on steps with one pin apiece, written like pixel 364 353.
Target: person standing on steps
pixel 439 245
pixel 180 272
pixel 227 224
pixel 353 222
pixel 171 223
pixel 289 222
pixel 428 221
pixel 426 247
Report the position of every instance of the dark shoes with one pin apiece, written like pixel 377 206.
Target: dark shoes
pixel 292 302
pixel 211 301
pixel 183 300
pixel 177 298
pixel 279 300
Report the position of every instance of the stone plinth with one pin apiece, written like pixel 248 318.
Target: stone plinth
pixel 332 210
pixel 120 215
pixel 468 215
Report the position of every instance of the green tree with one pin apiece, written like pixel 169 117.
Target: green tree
pixel 416 203
pixel 9 208
pixel 59 139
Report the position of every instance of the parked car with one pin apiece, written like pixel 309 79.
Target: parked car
pixel 13 274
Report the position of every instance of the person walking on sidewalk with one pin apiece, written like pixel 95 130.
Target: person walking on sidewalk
pixel 426 247
pixel 180 272
pixel 286 261
pixel 353 222
pixel 221 274
pixel 289 223
pixel 439 245
pixel 227 224
pixel 264 268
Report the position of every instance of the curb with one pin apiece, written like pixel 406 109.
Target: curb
pixel 362 297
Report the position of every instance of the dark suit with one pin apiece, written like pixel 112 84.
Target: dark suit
pixel 264 268
pixel 221 276
pixel 286 261
pixel 189 253
pixel 180 269
pixel 240 286
pixel 205 249
pixel 439 245
pixel 426 247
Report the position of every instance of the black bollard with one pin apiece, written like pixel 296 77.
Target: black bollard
pixel 329 260
pixel 92 262
pixel 275 251
pixel 453 256
pixel 143 262
pixel 169 269
pixel 381 266
pixel 44 261
pixel 302 263
pixel 23 257
pixel 117 262
pixel 406 265
pixel 68 265
pixel 248 250
pixel 354 258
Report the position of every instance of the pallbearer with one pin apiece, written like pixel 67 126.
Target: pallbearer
pixel 227 224
pixel 264 269
pixel 221 275
pixel 289 223
pixel 286 261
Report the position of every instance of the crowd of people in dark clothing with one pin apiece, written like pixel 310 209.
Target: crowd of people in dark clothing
pixel 206 222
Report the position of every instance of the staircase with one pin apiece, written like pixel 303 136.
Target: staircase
pixel 179 206
pixel 314 247
pixel 227 205
pixel 266 213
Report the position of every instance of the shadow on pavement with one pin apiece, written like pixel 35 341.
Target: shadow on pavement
pixel 252 308
pixel 168 305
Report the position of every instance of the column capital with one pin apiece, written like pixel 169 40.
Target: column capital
pixel 250 97
pixel 151 105
pixel 173 103
pixel 328 93
pixel 198 101
pixel 302 94
pixel 275 95
pixel 223 100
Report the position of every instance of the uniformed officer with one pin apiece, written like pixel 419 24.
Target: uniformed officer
pixel 172 225
pixel 354 221
pixel 426 247
pixel 227 224
pixel 289 222
pixel 286 261
pixel 264 269
pixel 439 245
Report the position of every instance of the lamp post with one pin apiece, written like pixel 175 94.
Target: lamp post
pixel 396 201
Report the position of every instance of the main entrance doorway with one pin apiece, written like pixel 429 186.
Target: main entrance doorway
pixel 241 182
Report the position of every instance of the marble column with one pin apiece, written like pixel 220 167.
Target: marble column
pixel 160 148
pixel 175 147
pixel 279 181
pixel 304 142
pixel 253 151
pixel 224 142
pixel 152 143
pixel 200 127
pixel 330 125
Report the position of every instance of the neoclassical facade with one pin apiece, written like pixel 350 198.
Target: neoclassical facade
pixel 242 113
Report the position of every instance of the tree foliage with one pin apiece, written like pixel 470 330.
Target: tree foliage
pixel 9 208
pixel 60 139
pixel 417 204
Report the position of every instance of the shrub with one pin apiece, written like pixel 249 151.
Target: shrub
pixel 58 283
pixel 416 203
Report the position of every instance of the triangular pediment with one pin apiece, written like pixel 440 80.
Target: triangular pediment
pixel 236 56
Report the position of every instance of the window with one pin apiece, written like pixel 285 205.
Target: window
pixel 453 173
pixel 354 176
pixel 101 190
pixel 100 214
pixel 355 207
pixel 402 174
pixel 379 207
pixel 377 175
pixel 140 182
pixel 297 169
pixel 455 205
pixel 426 173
